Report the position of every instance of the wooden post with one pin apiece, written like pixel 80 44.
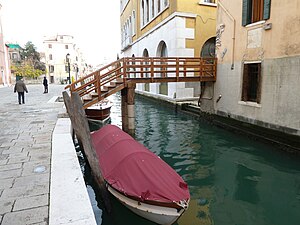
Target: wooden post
pixel 130 108
pixel 124 109
pixel 177 69
pixel 80 124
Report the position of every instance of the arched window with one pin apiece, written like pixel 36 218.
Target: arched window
pixel 166 2
pixel 162 51
pixel 147 8
pixel 158 6
pixel 143 13
pixel 133 65
pixel 209 47
pixel 133 23
pixel 152 9
pixel 146 54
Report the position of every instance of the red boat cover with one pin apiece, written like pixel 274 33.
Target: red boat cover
pixel 132 169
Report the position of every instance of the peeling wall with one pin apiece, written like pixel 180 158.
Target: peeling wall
pixel 275 43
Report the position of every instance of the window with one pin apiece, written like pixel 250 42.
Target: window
pixel 251 82
pixel 143 13
pixel 166 2
pixel 66 47
pixel 133 23
pixel 209 1
pixel 147 11
pixel 255 10
pixel 14 56
pixel 152 9
pixel 158 6
pixel 49 45
pixel 51 68
pixel 50 57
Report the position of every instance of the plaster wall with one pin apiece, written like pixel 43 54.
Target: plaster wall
pixel 280 99
pixel 256 41
pixel 173 33
pixel 275 44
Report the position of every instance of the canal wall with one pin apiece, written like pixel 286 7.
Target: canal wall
pixel 286 142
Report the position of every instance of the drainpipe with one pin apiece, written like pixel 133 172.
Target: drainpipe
pixel 233 35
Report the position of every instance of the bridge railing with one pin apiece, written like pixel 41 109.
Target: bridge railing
pixel 147 70
pixel 147 67
pixel 95 80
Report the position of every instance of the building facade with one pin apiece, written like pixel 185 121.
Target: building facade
pixel 63 59
pixel 5 78
pixel 258 52
pixel 163 28
pixel 14 55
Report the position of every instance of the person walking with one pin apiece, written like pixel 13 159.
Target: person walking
pixel 45 83
pixel 20 87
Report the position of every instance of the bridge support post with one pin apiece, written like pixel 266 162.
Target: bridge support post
pixel 124 109
pixel 128 113
pixel 130 108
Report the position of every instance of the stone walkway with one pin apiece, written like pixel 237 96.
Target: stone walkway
pixel 25 154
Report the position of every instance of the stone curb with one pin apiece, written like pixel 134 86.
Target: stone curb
pixel 69 200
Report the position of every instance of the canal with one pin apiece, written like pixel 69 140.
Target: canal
pixel 232 179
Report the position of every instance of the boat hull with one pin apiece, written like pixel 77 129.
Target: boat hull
pixel 155 213
pixel 98 112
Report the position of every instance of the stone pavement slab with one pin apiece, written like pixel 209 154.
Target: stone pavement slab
pixel 26 148
pixel 30 216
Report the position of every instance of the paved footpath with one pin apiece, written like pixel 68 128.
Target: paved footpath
pixel 25 154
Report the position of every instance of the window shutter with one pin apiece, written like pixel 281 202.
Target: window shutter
pixel 267 9
pixel 246 17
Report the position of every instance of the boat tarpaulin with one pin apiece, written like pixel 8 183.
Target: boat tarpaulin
pixel 132 169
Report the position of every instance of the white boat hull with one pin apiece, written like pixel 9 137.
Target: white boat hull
pixel 158 214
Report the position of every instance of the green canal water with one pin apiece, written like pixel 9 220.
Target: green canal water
pixel 232 179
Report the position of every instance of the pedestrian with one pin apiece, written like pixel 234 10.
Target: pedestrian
pixel 20 87
pixel 45 83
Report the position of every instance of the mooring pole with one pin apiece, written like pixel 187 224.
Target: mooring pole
pixel 80 125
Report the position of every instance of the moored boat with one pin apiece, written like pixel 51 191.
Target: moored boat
pixel 99 111
pixel 138 178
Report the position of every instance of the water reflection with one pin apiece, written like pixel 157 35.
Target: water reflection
pixel 232 179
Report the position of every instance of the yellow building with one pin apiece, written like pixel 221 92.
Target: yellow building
pixel 258 52
pixel 163 28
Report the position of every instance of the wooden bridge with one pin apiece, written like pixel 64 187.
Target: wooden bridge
pixel 125 73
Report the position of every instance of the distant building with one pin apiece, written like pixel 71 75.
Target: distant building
pixel 14 52
pixel 14 56
pixel 56 51
pixel 163 28
pixel 258 51
pixel 5 78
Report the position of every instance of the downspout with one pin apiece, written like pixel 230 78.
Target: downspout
pixel 233 35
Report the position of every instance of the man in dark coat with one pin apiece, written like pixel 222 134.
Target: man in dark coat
pixel 20 87
pixel 45 83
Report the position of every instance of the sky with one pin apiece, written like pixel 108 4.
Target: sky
pixel 93 23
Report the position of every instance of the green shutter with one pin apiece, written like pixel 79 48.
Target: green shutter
pixel 267 9
pixel 246 18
